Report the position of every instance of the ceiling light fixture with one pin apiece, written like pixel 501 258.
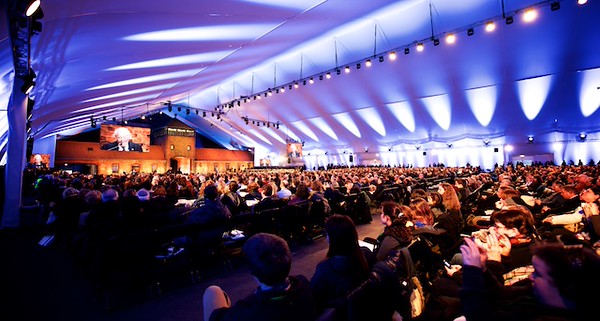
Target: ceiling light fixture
pixel 32 7
pixel 380 58
pixel 509 20
pixel 581 2
pixel 347 69
pixel 28 82
pixel 450 38
pixel 530 15
pixel 358 66
pixel 406 51
pixel 555 6
pixel 392 55
pixel 470 32
pixel 368 63
pixel 311 80
pixel 436 42
pixel 490 26
pixel 328 75
pixel 420 47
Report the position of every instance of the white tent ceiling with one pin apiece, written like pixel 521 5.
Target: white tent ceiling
pixel 114 58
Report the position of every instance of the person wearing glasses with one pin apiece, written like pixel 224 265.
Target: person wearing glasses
pixel 123 142
pixel 560 287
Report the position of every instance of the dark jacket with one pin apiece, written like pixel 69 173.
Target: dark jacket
pixel 294 304
pixel 133 147
pixel 334 279
pixel 212 211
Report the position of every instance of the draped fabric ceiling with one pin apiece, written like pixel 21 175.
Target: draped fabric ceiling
pixel 125 59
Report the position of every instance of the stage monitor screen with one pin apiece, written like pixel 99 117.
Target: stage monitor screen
pixel 124 138
pixel 39 160
pixel 294 149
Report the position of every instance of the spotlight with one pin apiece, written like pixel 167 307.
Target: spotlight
pixel 509 20
pixel 338 71
pixel 143 118
pixel 450 38
pixel 282 90
pixel 358 66
pixel 389 149
pixel 104 117
pixel 581 2
pixel 530 139
pixel 420 47
pixel 486 142
pixel 304 82
pixel 347 69
pixel 380 58
pixel 196 111
pixel 178 108
pixel 392 55
pixel 311 81
pixel 529 15
pixel 277 126
pixel 203 114
pixel 246 120
pixel 366 150
pixel 290 87
pixel 277 91
pixel 32 7
pixel 555 6
pixel 93 122
pixel 320 77
pixel 406 51
pixel 582 137
pixel 418 146
pixel 187 111
pixel 470 32
pixel 28 82
pixel 490 26
pixel 296 85
pixel 436 42
pixel 328 75
pixel 368 63
pixel 449 145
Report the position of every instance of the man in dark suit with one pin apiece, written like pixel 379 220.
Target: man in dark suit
pixel 123 142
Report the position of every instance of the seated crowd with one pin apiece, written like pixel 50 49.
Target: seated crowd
pixel 517 242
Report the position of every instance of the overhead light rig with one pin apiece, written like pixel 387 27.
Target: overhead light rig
pixel 260 122
pixel 23 23
pixel 216 112
pixel 450 37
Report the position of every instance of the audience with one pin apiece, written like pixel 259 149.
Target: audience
pixel 517 202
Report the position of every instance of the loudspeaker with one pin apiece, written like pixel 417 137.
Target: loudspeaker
pixel 424 153
pixel 495 149
pixel 351 158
